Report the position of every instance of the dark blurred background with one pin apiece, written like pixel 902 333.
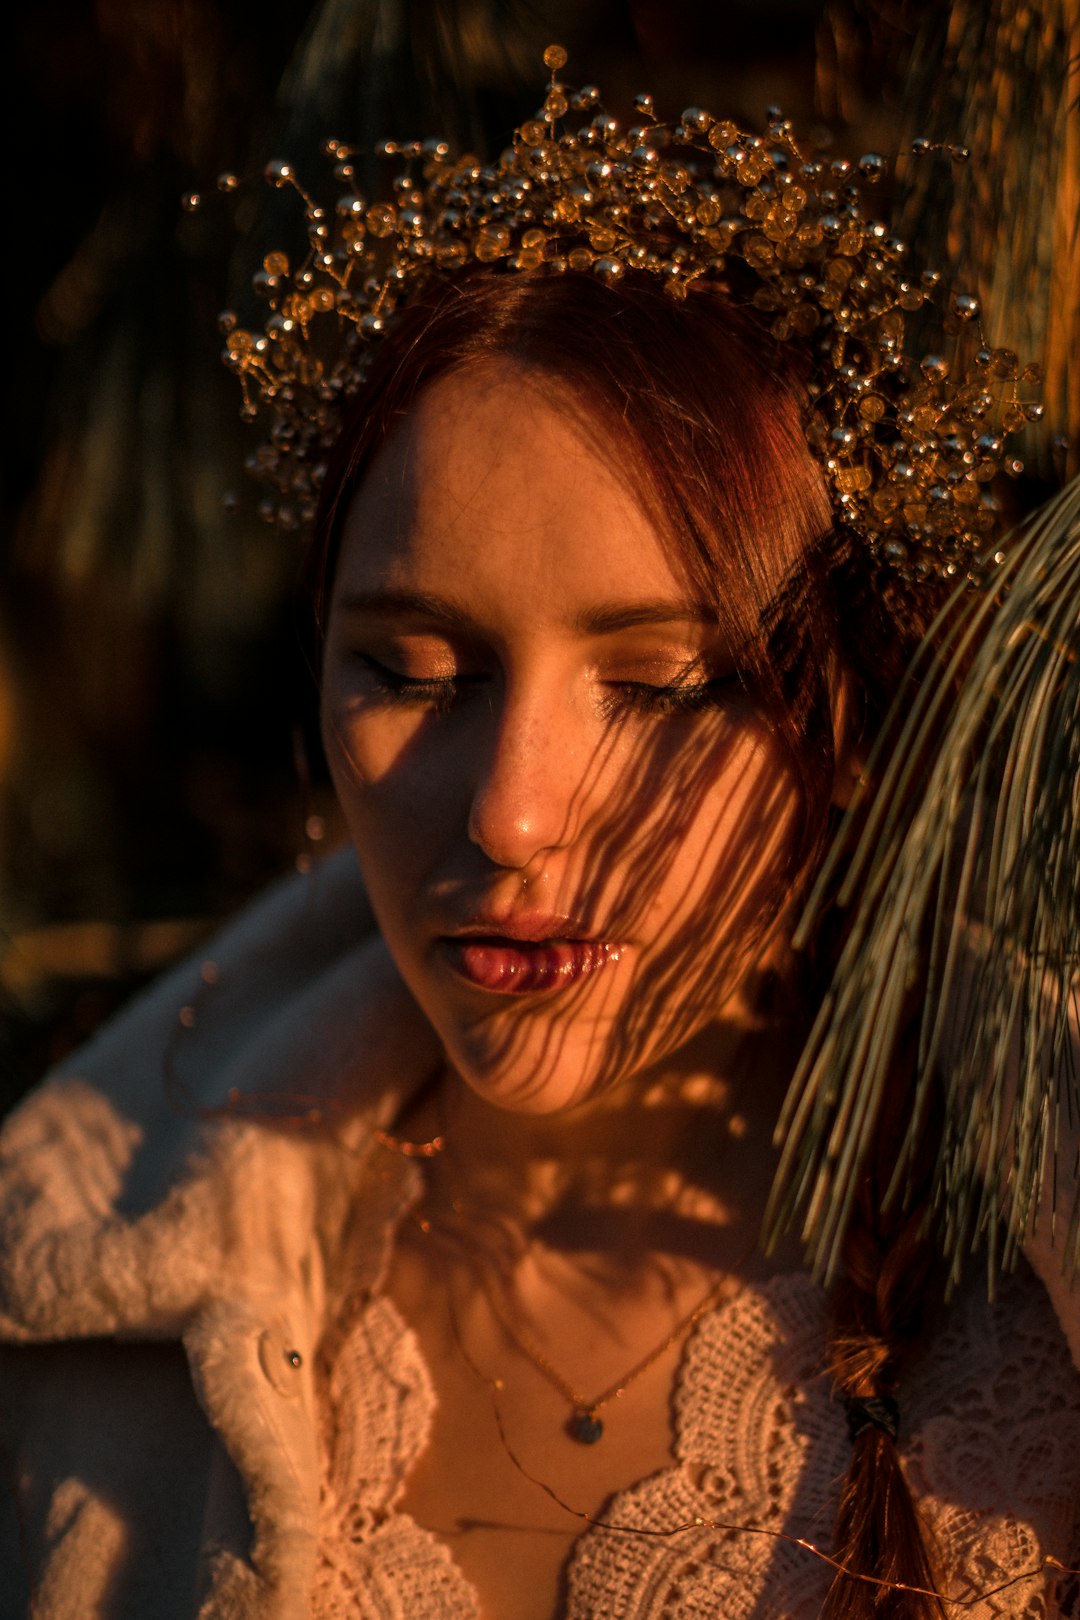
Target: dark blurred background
pixel 158 761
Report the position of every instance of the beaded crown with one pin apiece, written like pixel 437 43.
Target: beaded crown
pixel 910 440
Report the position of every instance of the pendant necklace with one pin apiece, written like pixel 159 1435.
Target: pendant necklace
pixel 584 1425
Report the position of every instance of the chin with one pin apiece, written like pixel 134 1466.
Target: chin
pixel 531 1078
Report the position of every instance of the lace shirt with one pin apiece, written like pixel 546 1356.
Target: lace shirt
pixel 152 1256
pixel 990 1444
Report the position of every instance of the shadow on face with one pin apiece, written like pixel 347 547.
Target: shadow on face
pixel 577 827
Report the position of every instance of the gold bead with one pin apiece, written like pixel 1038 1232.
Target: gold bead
pixel 727 205
pixel 380 219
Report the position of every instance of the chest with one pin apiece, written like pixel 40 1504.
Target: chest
pixel 502 1481
pixel 714 1466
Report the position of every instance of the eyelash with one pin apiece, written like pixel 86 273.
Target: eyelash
pixel 637 697
pixel 620 697
pixel 438 692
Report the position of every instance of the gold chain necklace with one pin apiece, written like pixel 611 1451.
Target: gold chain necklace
pixel 583 1424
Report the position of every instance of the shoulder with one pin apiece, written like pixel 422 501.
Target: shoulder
pixel 163 1149
pixel 107 1467
pixel 158 1188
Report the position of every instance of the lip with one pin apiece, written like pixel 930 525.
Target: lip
pixel 530 927
pixel 525 955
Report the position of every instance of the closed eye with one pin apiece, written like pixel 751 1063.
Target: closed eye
pixel 440 692
pixel 679 697
pixel 430 691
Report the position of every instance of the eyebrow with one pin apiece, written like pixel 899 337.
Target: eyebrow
pixel 605 618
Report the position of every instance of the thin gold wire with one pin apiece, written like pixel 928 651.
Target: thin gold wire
pixel 555 1378
pixel 495 1386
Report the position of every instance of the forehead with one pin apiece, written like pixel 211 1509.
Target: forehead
pixel 494 482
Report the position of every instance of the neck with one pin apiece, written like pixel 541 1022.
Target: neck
pixel 666 1174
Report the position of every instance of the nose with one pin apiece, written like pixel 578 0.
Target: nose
pixel 528 796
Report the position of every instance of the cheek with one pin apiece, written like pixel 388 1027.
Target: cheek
pixel 383 783
pixel 720 825
pixel 725 879
pixel 365 743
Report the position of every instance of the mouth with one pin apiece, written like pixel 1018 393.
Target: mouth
pixel 527 956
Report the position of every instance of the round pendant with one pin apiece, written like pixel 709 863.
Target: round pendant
pixel 585 1428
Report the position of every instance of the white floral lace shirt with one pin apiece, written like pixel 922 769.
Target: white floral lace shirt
pixel 990 1443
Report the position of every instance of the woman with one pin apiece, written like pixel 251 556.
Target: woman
pixel 462 1242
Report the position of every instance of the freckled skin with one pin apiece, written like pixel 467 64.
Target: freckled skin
pixel 531 766
pixel 532 722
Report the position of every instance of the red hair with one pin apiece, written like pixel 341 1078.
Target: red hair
pixel 705 413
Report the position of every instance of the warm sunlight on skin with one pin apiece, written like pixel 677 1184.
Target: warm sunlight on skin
pixel 567 813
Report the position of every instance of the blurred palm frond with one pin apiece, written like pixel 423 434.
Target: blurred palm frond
pixel 971 852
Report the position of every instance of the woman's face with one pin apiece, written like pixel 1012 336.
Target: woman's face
pixel 569 816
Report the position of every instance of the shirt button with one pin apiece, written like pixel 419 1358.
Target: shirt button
pixel 281 1362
